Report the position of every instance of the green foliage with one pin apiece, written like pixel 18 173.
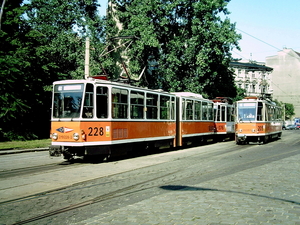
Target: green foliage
pixel 40 42
pixel 43 143
pixel 188 39
pixel 289 111
pixel 241 93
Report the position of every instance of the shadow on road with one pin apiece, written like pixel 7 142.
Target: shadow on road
pixel 190 188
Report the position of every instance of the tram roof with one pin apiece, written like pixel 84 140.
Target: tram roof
pixel 188 94
pixel 100 81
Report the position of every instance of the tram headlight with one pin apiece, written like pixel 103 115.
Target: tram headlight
pixel 54 136
pixel 253 130
pixel 76 136
pixel 241 130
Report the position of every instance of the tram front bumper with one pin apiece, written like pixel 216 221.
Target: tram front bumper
pixel 241 137
pixel 55 150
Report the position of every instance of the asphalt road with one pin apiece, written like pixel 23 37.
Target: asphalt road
pixel 221 183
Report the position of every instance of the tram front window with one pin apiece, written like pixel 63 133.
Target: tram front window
pixel 67 100
pixel 246 111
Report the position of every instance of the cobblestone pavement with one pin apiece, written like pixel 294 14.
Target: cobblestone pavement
pixel 267 194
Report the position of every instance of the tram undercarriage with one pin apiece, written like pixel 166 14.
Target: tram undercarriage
pixel 104 152
pixel 245 139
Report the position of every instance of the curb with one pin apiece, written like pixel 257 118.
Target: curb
pixel 16 151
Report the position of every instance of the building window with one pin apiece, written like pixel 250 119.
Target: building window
pixel 246 74
pixel 239 73
pixel 253 88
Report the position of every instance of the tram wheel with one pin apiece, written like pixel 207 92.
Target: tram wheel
pixel 265 139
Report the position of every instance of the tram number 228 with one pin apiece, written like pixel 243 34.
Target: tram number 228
pixel 96 131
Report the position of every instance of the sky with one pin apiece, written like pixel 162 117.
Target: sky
pixel 266 26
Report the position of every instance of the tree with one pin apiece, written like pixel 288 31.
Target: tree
pixel 241 93
pixel 13 66
pixel 40 42
pixel 289 111
pixel 64 26
pixel 186 38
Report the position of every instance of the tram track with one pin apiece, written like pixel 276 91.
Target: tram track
pixel 34 169
pixel 111 195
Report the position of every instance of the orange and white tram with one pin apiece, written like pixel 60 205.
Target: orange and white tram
pixel 102 118
pixel 96 117
pixel 257 120
pixel 224 118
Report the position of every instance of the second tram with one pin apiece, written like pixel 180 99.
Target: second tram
pixel 257 120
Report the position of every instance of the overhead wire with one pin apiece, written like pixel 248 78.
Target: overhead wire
pixel 268 45
pixel 278 49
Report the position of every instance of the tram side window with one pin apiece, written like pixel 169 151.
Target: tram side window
pixel 259 112
pixel 197 110
pixel 189 109
pixel 223 113
pixel 269 112
pixel 266 113
pixel 183 109
pixel 119 103
pixel 151 102
pixel 102 102
pixel 172 109
pixel 217 113
pixel 210 113
pixel 136 105
pixel 278 114
pixel 204 111
pixel 272 113
pixel 164 107
pixel 88 107
pixel 229 113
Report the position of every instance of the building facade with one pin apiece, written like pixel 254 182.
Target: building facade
pixel 286 77
pixel 254 78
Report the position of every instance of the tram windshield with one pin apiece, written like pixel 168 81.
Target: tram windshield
pixel 67 100
pixel 246 111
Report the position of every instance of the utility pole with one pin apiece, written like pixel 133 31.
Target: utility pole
pixel 283 112
pixel 87 58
